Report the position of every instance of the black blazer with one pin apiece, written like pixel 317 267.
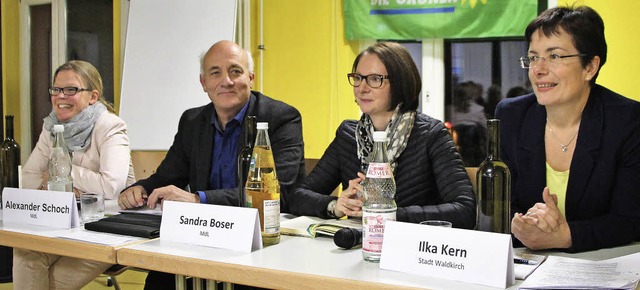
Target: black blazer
pixel 603 191
pixel 188 161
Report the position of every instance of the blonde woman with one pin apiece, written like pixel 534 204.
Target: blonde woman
pixel 101 163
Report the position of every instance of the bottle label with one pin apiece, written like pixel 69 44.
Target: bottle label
pixel 373 228
pixel 271 216
pixel 379 170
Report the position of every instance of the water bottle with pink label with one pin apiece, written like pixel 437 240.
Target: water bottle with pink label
pixel 379 204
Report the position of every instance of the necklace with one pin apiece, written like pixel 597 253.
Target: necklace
pixel 563 146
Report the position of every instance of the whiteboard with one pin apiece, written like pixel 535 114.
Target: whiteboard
pixel 161 70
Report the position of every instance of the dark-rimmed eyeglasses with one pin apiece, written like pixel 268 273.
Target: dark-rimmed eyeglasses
pixel 528 61
pixel 373 80
pixel 67 91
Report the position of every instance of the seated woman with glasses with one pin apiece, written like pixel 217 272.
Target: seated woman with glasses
pixel 101 163
pixel 431 181
pixel 573 147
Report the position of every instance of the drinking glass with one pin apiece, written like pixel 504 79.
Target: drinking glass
pixel 91 207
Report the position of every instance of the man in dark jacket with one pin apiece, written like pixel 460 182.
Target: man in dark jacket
pixel 209 138
pixel 206 147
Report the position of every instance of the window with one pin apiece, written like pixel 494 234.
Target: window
pixel 90 37
pixel 478 74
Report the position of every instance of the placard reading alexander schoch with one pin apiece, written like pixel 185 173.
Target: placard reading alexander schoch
pixel 54 209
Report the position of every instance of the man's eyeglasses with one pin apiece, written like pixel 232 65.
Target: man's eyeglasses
pixel 533 60
pixel 67 91
pixel 373 80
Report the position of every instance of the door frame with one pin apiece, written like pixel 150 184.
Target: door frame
pixel 59 52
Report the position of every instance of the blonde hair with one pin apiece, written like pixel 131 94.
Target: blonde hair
pixel 90 76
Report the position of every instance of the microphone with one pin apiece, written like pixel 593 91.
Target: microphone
pixel 348 238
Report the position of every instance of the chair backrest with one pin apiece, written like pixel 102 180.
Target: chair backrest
pixel 472 171
pixel 309 164
pixel 145 163
pixel 471 143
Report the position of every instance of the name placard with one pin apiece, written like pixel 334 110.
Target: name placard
pixel 54 209
pixel 226 227
pixel 463 255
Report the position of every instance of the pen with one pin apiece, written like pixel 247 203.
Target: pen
pixel 524 261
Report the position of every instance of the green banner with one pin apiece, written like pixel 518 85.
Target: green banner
pixel 418 19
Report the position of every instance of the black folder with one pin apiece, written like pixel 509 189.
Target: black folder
pixel 131 224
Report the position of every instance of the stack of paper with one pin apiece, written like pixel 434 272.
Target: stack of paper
pixel 569 273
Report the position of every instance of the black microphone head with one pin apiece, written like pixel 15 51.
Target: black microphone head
pixel 348 238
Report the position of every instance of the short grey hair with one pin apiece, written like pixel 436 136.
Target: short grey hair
pixel 247 53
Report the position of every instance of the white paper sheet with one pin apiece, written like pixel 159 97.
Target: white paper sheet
pixel 569 273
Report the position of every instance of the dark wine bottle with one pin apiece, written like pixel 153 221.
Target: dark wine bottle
pixel 494 186
pixel 9 162
pixel 9 157
pixel 244 159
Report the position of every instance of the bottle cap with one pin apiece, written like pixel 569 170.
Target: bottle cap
pixel 379 136
pixel 262 125
pixel 58 128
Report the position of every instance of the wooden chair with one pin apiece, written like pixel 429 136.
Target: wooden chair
pixel 112 272
pixel 309 164
pixel 144 163
pixel 472 171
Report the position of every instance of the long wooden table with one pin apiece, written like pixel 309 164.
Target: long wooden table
pixel 58 246
pixel 45 240
pixel 295 263
pixel 299 263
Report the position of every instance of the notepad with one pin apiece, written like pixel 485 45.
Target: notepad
pixel 310 227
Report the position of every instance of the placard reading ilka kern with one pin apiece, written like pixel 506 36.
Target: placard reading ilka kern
pixel 455 254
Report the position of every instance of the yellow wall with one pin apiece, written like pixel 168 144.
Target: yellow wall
pixel 305 64
pixel 620 73
pixel 11 63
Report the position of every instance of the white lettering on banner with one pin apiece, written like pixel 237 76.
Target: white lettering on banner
pixel 379 2
pixel 40 207
pixel 411 2
pixel 226 227
pixel 456 254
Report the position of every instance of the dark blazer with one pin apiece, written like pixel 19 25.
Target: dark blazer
pixel 431 182
pixel 188 161
pixel 603 192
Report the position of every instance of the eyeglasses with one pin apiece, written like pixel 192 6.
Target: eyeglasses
pixel 67 91
pixel 373 80
pixel 533 60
